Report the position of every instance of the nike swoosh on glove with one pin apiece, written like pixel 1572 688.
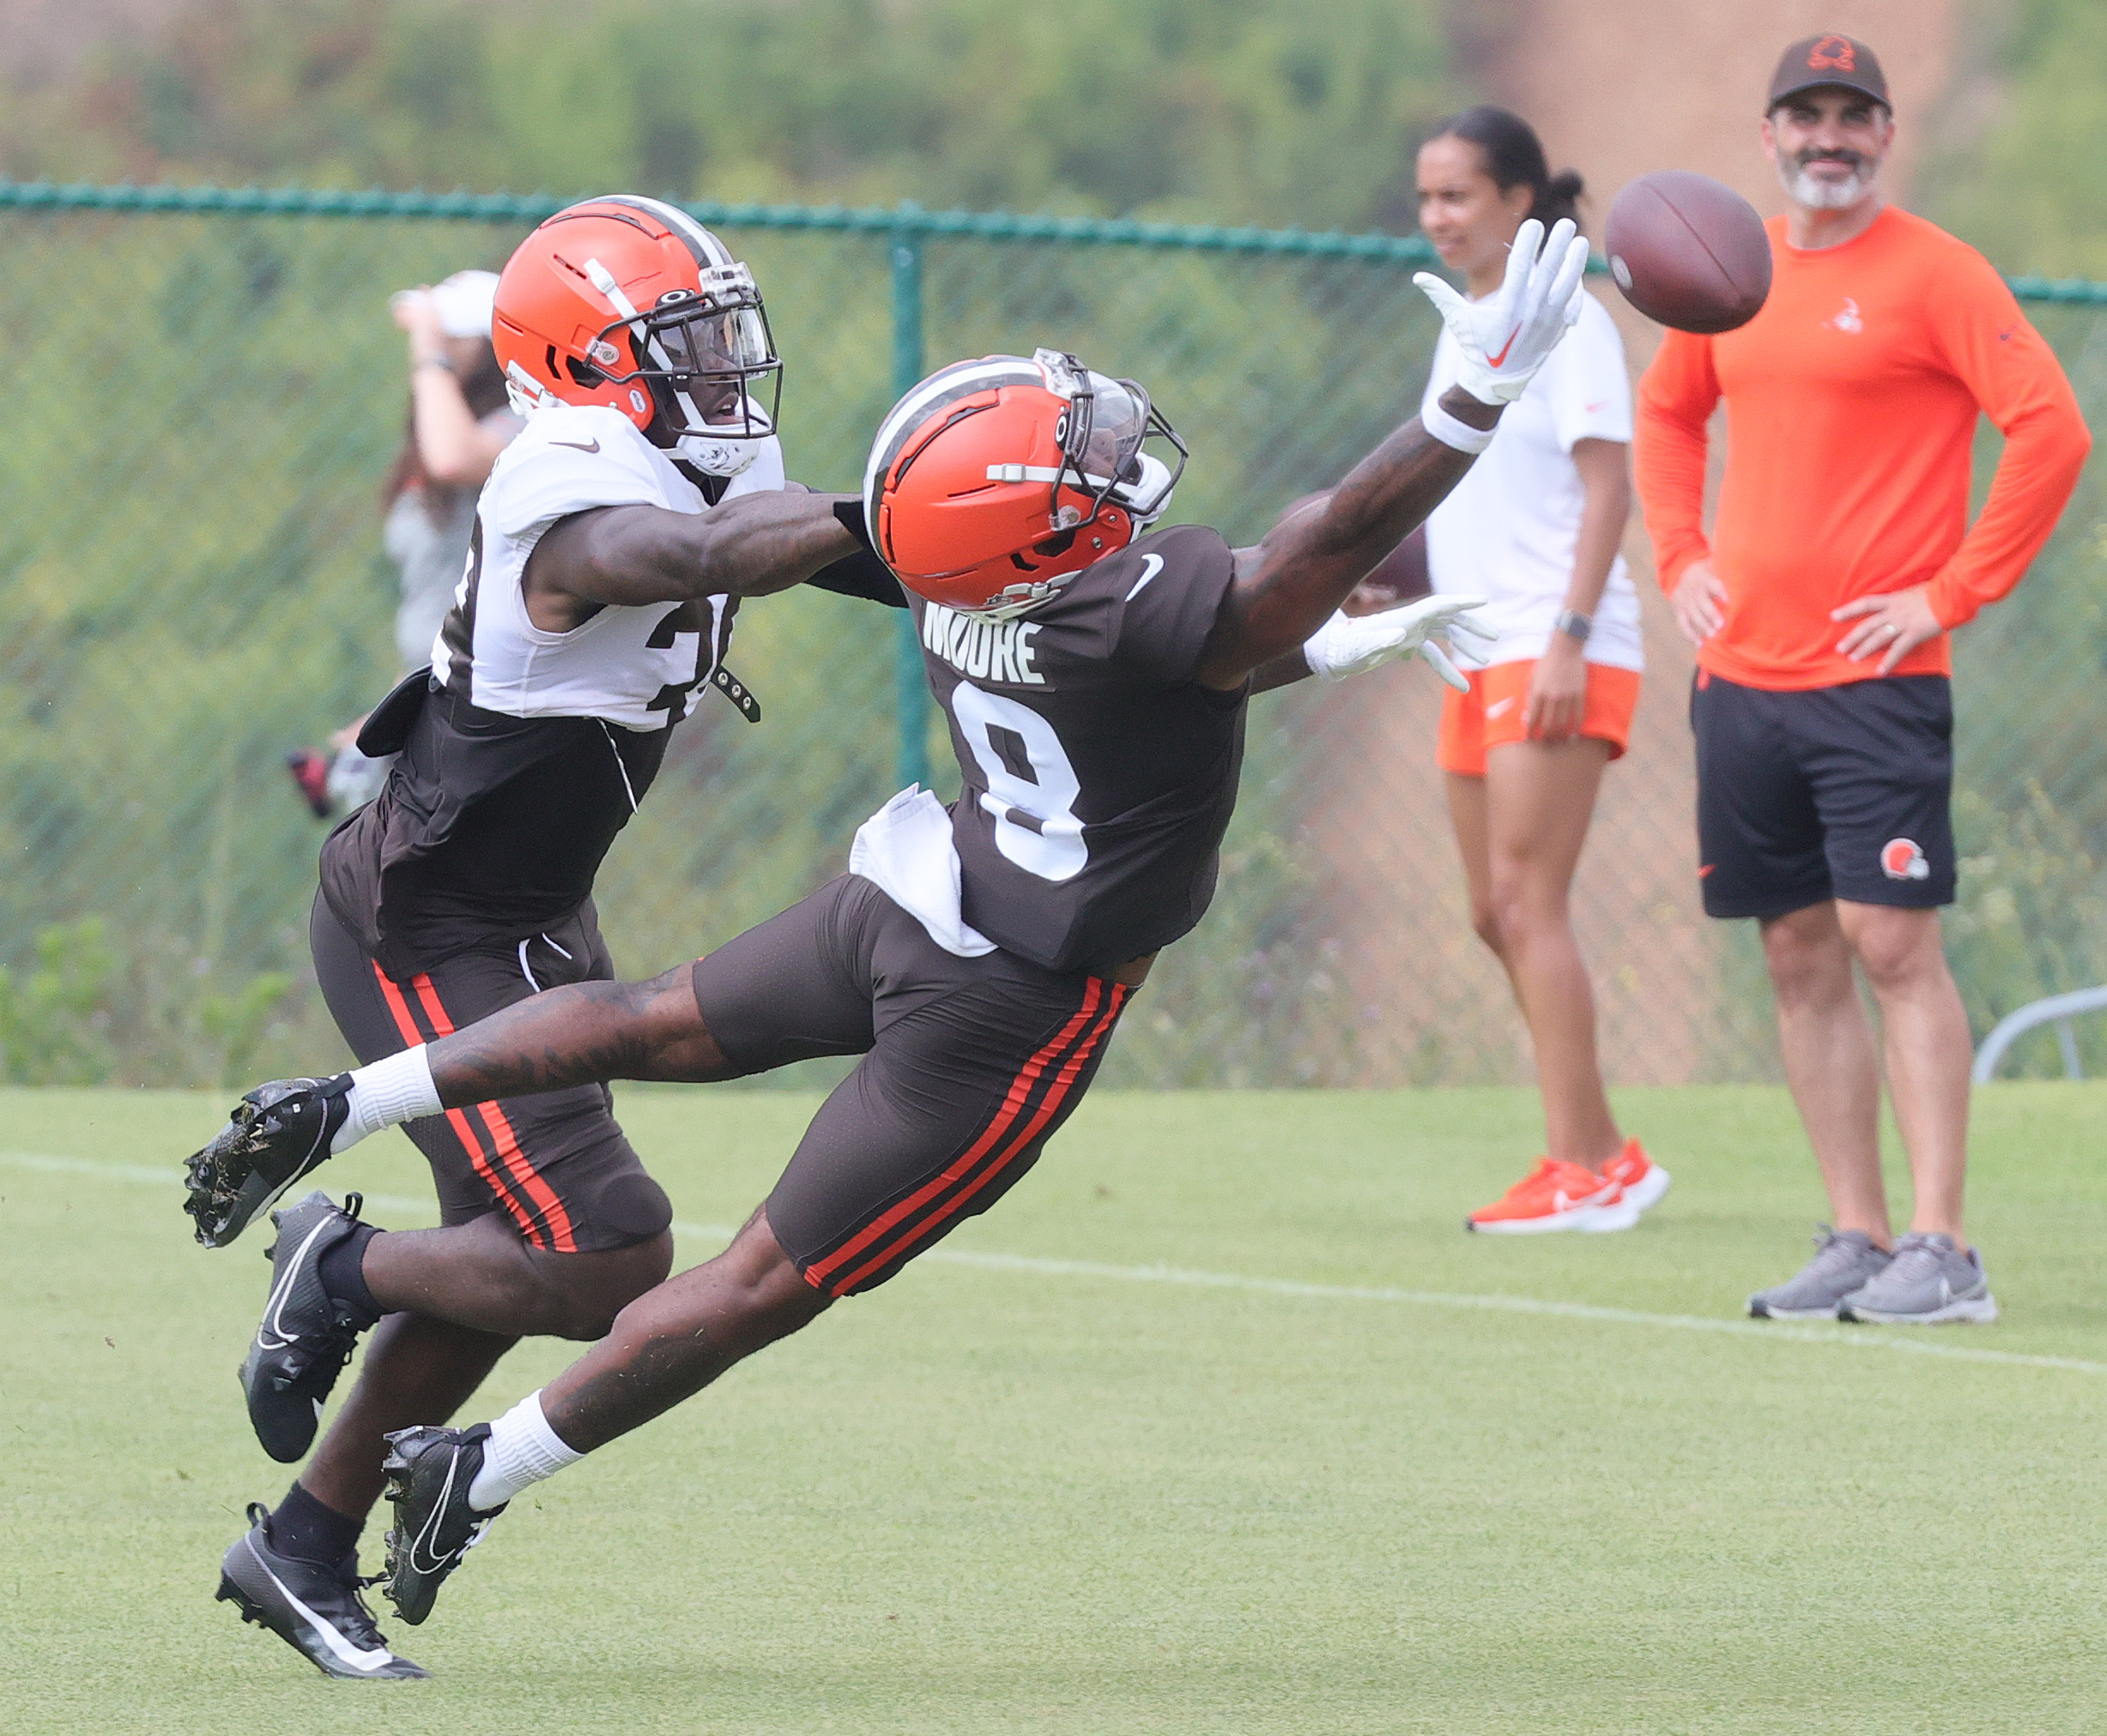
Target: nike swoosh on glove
pixel 1503 339
pixel 1350 644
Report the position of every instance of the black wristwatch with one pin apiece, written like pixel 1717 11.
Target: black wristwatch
pixel 1575 626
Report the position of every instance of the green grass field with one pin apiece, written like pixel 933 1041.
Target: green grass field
pixel 1080 1489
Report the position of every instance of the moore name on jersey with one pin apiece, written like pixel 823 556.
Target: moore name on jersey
pixel 983 649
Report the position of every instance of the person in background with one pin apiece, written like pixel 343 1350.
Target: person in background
pixel 457 424
pixel 1535 526
pixel 1840 559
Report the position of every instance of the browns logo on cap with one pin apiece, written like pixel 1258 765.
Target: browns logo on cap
pixel 1822 63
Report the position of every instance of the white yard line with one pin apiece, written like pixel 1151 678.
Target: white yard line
pixel 1899 1339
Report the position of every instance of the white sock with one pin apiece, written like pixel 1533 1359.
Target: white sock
pixel 522 1450
pixel 397 1089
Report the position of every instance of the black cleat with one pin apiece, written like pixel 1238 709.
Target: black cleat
pixel 278 1133
pixel 315 1609
pixel 429 1473
pixel 306 1337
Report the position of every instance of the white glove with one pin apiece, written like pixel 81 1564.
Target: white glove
pixel 1349 644
pixel 1504 338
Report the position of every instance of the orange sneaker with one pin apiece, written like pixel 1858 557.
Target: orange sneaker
pixel 1556 1196
pixel 1643 1180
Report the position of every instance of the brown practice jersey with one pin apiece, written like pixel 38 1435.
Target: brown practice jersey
pixel 1099 775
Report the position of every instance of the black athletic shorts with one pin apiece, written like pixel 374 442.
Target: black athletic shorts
pixel 557 1164
pixel 1841 792
pixel 969 1067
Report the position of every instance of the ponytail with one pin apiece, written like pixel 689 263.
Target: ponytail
pixel 1514 157
pixel 1558 198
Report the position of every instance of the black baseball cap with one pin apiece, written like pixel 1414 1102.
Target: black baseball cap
pixel 1824 62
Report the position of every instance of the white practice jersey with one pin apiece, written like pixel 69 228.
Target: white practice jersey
pixel 635 667
pixel 1508 531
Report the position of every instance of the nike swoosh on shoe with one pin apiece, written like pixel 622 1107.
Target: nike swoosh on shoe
pixel 276 1304
pixel 356 1657
pixel 433 1561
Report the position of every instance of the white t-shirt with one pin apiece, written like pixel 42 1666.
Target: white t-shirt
pixel 1509 530
pixel 431 550
pixel 622 664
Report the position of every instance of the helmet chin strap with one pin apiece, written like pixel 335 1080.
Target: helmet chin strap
pixel 1021 599
pixel 1155 475
pixel 716 457
pixel 526 393
pixel 720 457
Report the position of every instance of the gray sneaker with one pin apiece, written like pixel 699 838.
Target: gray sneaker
pixel 1929 1282
pixel 1845 1261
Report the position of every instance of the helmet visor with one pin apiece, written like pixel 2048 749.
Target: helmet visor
pixel 712 369
pixel 1112 421
pixel 733 342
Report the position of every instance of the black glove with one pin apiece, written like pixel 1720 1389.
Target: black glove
pixel 861 574
pixel 849 513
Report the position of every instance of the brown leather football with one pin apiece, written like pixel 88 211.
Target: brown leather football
pixel 1688 252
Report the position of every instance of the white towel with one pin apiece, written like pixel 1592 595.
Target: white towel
pixel 905 851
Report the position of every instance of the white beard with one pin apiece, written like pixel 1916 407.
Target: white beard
pixel 1817 195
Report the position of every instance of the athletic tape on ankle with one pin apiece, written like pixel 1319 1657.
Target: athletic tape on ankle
pixel 1452 431
pixel 397 1088
pixel 522 1450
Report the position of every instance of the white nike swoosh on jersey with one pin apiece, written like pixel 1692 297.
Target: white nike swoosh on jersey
pixel 1151 565
pixel 1499 707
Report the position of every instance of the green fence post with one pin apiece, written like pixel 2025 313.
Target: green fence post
pixel 910 689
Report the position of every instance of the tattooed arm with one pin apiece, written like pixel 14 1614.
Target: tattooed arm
pixel 750 546
pixel 581 1034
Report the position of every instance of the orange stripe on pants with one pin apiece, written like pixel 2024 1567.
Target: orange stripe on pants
pixel 517 1165
pixel 464 1129
pixel 1013 1106
pixel 1062 1082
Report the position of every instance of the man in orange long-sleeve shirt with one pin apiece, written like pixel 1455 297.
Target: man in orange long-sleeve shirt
pixel 1841 556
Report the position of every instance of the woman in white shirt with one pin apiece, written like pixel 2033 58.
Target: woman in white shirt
pixel 458 421
pixel 1535 526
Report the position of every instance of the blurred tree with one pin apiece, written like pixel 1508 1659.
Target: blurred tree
pixel 2025 185
pixel 1242 110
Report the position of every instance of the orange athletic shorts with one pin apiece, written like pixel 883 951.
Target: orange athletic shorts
pixel 1490 714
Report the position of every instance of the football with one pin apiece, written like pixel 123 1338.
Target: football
pixel 1688 252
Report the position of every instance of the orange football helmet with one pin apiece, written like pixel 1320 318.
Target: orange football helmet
pixel 994 483
pixel 632 303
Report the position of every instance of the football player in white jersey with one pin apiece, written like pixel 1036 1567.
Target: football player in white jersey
pixel 1095 675
pixel 613 542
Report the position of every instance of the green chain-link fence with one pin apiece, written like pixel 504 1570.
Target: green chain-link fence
pixel 204 391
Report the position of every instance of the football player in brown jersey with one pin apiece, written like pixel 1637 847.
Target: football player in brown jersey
pixel 1095 679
